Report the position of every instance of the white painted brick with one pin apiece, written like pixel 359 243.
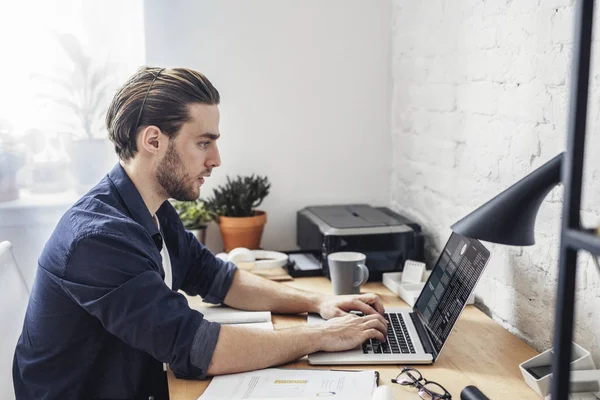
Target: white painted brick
pixel 562 26
pixel 518 8
pixel 446 125
pixel 414 70
pixel 411 121
pixel 553 67
pixel 475 33
pixel 552 4
pixel 537 30
pixel 496 63
pixel 522 69
pixel 475 66
pixel 432 96
pixel 444 69
pixel 527 101
pixel 504 70
pixel 478 97
pixel 559 108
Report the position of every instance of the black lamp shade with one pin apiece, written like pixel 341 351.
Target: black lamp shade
pixel 509 218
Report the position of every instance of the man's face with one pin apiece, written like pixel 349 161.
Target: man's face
pixel 192 155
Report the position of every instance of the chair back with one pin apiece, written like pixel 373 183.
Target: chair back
pixel 14 295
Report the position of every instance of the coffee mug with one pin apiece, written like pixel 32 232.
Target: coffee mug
pixel 347 271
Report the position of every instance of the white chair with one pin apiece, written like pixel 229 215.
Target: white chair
pixel 14 295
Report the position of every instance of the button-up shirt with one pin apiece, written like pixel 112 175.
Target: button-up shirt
pixel 101 320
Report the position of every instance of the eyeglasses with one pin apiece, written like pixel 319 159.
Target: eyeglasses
pixel 428 390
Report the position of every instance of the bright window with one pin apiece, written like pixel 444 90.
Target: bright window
pixel 62 61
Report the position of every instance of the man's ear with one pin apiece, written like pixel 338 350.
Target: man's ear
pixel 151 139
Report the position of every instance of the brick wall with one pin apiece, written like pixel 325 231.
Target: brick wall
pixel 480 99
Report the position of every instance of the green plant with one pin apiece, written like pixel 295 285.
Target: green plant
pixel 239 197
pixel 84 89
pixel 193 214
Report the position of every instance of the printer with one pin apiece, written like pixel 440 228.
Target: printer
pixel 385 237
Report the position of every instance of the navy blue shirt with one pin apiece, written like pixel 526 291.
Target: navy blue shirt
pixel 101 320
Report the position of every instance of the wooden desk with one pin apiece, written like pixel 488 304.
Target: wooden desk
pixel 479 352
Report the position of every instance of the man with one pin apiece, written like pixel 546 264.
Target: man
pixel 105 312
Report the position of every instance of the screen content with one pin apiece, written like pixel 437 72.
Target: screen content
pixel 452 280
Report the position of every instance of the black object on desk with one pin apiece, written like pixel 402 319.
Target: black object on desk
pixel 385 237
pixel 303 264
pixel 472 393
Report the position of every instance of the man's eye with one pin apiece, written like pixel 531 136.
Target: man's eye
pixel 204 145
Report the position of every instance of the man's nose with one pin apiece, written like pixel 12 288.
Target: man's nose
pixel 215 159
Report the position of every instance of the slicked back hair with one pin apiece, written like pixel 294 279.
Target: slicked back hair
pixel 159 97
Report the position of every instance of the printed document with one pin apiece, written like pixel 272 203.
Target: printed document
pixel 292 384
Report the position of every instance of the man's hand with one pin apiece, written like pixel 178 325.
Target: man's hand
pixel 350 331
pixel 338 306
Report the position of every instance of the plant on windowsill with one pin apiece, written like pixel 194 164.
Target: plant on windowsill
pixel 234 205
pixel 195 216
pixel 11 159
pixel 84 89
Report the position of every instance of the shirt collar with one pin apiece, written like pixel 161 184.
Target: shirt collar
pixel 134 202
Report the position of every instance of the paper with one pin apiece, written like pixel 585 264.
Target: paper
pixel 290 384
pixel 305 262
pixel 227 315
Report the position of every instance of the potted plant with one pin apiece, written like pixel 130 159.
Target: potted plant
pixel 194 215
pixel 10 162
pixel 84 90
pixel 234 205
pixel 47 164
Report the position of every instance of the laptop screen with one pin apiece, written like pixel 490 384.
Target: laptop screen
pixel 447 290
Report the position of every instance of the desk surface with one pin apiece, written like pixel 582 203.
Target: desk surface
pixel 479 352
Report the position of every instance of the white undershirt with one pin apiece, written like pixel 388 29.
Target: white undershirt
pixel 166 263
pixel 166 260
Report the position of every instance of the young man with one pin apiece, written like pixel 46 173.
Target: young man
pixel 105 312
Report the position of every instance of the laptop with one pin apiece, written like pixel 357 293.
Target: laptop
pixel 417 335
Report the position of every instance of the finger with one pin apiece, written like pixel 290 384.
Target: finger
pixel 376 324
pixel 374 301
pixel 350 316
pixel 376 317
pixel 375 334
pixel 363 307
pixel 340 313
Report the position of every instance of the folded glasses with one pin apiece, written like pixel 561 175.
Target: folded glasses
pixel 428 390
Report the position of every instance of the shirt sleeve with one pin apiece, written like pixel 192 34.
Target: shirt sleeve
pixel 116 282
pixel 207 276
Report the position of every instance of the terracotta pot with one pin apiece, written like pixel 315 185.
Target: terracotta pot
pixel 242 231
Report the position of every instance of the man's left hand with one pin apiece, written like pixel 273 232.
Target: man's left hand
pixel 337 306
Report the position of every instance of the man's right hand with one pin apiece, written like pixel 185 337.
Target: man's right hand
pixel 350 331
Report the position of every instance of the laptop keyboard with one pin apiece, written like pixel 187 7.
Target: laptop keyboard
pixel 398 340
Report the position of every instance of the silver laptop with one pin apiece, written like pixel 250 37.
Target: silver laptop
pixel 417 335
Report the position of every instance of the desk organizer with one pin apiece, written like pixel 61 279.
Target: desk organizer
pixel 409 291
pixel 582 360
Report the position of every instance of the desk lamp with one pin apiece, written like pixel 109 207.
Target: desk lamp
pixel 509 218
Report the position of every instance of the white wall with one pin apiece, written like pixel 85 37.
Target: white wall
pixel 305 89
pixel 479 100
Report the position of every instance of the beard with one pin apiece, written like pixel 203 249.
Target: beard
pixel 171 176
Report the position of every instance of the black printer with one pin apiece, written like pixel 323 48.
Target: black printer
pixel 385 237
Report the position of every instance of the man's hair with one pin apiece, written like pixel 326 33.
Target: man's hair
pixel 159 97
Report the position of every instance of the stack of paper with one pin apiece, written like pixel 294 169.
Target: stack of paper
pixel 292 384
pixel 227 315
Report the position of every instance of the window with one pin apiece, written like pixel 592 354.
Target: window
pixel 62 61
